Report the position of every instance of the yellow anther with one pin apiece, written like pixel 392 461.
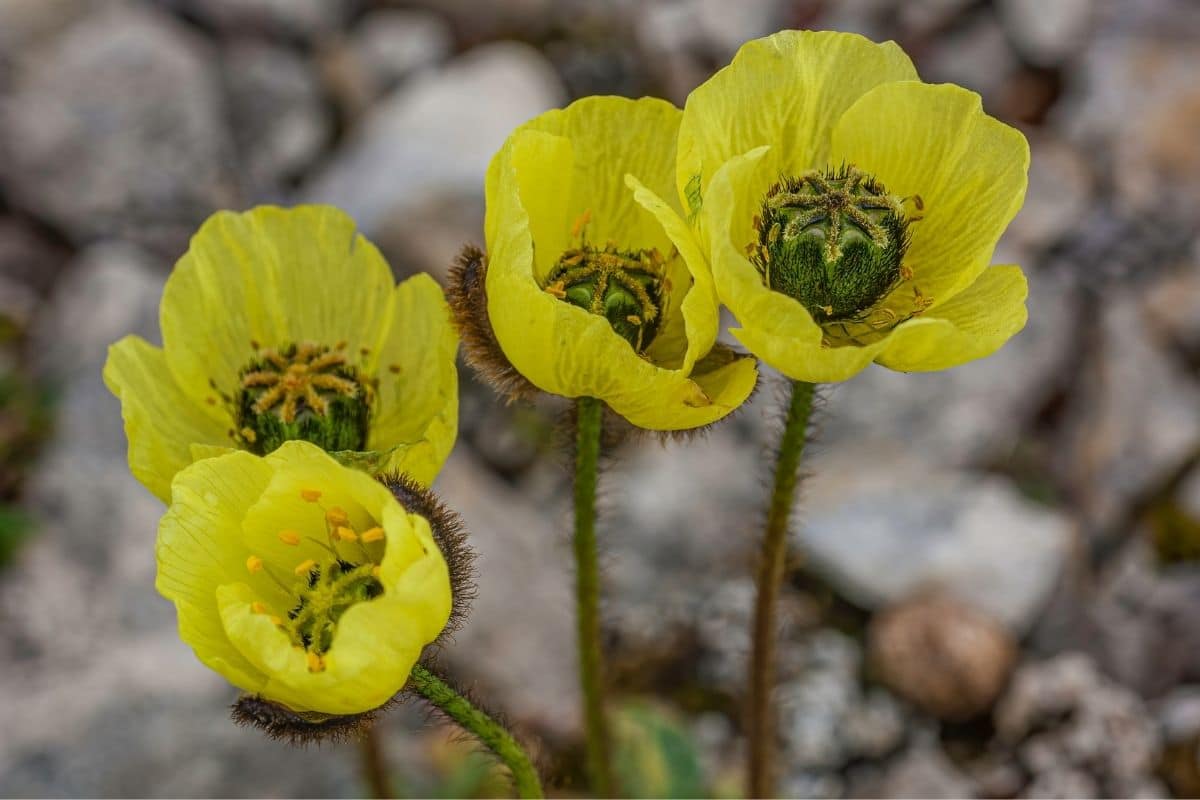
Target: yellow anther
pixel 337 516
pixel 249 435
pixel 315 662
pixel 258 608
pixel 346 534
pixel 906 272
pixel 291 538
pixel 375 570
pixel 556 290
pixel 254 564
pixel 310 495
pixel 634 319
pixel 276 621
pixel 372 535
pixel 304 567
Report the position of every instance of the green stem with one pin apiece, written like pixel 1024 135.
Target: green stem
pixel 589 423
pixel 772 560
pixel 375 766
pixel 494 735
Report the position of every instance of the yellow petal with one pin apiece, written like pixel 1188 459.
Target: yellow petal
pixel 787 91
pixel 273 276
pixel 560 348
pixel 975 323
pixel 968 168
pixel 162 421
pixel 197 551
pixel 694 307
pixel 417 401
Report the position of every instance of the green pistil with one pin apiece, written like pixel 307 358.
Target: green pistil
pixel 624 287
pixel 329 590
pixel 302 391
pixel 834 240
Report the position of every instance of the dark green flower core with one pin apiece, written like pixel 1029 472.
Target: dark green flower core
pixel 302 391
pixel 626 287
pixel 834 240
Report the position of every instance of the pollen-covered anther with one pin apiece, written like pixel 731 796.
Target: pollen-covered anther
pixel 315 662
pixel 254 564
pixel 345 534
pixel 372 535
pixel 337 516
pixel 304 567
pixel 259 608
pixel 310 495
pixel 290 538
pixel 302 391
pixel 832 239
pixel 624 286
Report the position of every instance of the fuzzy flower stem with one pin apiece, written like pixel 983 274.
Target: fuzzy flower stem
pixel 493 735
pixel 589 423
pixel 772 560
pixel 375 766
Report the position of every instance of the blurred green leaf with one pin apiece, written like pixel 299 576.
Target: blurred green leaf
pixel 655 755
pixel 15 526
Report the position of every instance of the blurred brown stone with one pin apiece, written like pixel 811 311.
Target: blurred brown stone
pixel 941 655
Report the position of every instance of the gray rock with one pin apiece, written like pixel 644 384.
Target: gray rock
pixel 395 43
pixel 976 55
pixel 1062 714
pixel 436 133
pixel 286 19
pixel 1048 33
pixel 825 718
pixel 1062 783
pixel 116 127
pixel 1146 630
pixel 1135 417
pixel 882 526
pixel 27 22
pixel 1060 193
pixel 923 770
pixel 279 117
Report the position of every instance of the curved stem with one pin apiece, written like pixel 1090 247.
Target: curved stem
pixel 589 422
pixel 375 765
pixel 772 560
pixel 494 735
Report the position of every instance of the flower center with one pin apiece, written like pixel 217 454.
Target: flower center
pixel 302 391
pixel 321 591
pixel 834 240
pixel 626 287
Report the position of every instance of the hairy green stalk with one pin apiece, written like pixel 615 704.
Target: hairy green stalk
pixel 494 735
pixel 772 560
pixel 589 423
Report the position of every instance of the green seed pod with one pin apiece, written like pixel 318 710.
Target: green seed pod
pixel 833 240
pixel 624 287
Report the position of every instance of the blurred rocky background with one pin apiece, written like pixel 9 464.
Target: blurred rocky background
pixel 996 589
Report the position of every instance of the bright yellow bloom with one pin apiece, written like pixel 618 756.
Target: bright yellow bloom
pixel 587 293
pixel 328 624
pixel 284 324
pixel 849 211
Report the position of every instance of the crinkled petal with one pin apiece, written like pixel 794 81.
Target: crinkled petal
pixel 969 170
pixel 162 422
pixel 273 276
pixel 417 401
pixel 975 323
pixel 787 91
pixel 198 549
pixel 693 314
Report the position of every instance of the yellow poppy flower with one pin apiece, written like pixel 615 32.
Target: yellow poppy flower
pixel 588 294
pixel 284 324
pixel 849 211
pixel 302 581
